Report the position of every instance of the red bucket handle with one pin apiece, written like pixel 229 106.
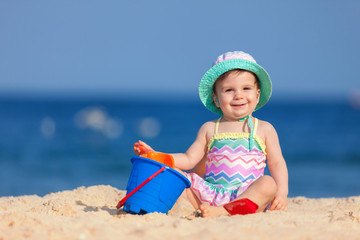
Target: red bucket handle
pixel 122 201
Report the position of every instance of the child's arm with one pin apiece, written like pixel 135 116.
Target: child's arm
pixel 193 155
pixel 197 150
pixel 277 167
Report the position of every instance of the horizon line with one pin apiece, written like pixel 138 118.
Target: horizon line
pixel 171 96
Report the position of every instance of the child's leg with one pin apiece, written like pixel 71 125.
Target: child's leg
pixel 189 195
pixel 261 193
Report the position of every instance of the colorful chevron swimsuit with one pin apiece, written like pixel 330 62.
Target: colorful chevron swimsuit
pixel 233 163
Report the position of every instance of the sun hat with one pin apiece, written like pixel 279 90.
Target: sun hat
pixel 229 61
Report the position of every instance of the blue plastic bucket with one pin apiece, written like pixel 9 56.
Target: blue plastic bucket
pixel 158 195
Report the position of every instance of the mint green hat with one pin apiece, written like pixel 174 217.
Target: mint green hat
pixel 229 61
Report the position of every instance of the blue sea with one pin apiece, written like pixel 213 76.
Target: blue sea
pixel 49 145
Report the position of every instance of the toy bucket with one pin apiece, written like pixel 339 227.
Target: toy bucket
pixel 159 194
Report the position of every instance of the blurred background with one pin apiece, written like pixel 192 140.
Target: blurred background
pixel 81 81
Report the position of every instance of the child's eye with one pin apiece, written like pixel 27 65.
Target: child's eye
pixel 247 88
pixel 228 90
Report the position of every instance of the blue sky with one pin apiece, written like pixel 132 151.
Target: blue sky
pixel 132 48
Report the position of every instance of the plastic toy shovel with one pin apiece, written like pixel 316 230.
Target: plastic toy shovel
pixel 163 158
pixel 160 157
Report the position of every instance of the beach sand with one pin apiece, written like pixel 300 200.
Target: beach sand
pixel 90 213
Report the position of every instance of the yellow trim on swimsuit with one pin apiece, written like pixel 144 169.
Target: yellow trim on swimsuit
pixel 236 135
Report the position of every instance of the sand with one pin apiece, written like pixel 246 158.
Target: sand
pixel 90 213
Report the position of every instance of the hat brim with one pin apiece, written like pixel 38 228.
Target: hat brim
pixel 208 80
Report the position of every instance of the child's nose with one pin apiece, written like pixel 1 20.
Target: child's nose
pixel 238 95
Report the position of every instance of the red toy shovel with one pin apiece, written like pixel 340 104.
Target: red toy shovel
pixel 122 201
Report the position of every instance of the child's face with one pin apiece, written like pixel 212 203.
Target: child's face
pixel 238 94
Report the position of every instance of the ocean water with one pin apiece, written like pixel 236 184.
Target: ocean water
pixel 54 145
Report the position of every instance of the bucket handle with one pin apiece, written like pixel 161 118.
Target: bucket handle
pixel 122 201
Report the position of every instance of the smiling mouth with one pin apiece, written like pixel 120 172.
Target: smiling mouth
pixel 238 105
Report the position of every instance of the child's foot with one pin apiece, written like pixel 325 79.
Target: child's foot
pixel 212 211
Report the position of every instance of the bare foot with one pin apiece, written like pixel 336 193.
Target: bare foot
pixel 212 211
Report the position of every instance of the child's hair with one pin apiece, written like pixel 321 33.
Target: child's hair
pixel 237 70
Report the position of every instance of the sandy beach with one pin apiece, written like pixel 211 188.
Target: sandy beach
pixel 90 213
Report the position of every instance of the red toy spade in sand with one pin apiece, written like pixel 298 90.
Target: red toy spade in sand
pixel 163 158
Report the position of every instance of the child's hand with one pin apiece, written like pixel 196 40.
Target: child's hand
pixel 279 203
pixel 142 148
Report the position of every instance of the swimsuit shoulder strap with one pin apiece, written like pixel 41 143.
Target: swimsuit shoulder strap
pixel 217 126
pixel 257 138
pixel 255 125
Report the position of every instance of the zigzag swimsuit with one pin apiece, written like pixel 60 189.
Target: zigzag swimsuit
pixel 234 161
